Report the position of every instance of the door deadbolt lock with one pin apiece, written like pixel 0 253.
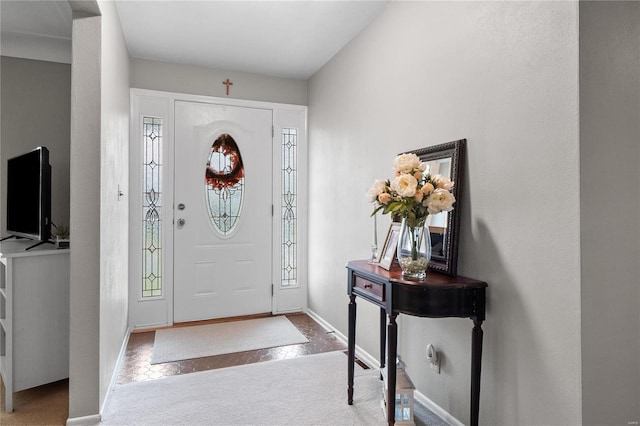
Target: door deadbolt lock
pixel 181 222
pixel 180 206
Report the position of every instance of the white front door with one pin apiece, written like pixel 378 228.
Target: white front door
pixel 223 211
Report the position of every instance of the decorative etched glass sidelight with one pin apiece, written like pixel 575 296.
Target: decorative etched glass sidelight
pixel 151 207
pixel 289 239
pixel 224 184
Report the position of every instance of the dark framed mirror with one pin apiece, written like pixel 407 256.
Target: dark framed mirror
pixel 445 159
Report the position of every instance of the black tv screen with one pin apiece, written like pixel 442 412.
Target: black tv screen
pixel 29 195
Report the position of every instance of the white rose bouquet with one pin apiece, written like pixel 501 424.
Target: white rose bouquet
pixel 412 194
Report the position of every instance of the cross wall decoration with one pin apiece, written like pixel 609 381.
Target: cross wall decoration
pixel 227 83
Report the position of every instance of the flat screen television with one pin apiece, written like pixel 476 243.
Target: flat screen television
pixel 29 195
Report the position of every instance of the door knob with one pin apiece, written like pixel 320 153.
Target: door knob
pixel 181 222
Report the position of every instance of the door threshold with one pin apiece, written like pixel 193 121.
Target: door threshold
pixel 207 322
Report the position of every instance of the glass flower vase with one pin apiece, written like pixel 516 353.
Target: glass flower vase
pixel 414 248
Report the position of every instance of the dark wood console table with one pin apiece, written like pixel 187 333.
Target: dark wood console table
pixel 437 296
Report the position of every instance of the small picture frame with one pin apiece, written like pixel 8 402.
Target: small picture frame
pixel 390 244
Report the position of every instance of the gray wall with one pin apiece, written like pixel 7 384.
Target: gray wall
pixel 610 214
pixel 504 75
pixel 36 104
pixel 146 74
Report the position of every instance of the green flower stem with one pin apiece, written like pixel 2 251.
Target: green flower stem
pixel 414 226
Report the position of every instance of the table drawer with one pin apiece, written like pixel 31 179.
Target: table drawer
pixel 368 288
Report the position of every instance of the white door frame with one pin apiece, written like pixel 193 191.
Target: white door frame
pixel 157 311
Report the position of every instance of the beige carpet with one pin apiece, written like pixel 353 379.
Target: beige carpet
pixel 176 344
pixel 307 390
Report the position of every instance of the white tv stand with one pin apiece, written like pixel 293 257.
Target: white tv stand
pixel 34 316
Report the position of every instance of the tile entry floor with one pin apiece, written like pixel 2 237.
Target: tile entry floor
pixel 137 367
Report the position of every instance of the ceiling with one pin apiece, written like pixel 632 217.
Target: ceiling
pixel 291 39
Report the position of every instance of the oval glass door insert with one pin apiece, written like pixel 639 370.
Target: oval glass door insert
pixel 224 184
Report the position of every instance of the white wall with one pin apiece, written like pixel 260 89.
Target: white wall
pixel 99 218
pixel 504 75
pixel 114 211
pixel 609 158
pixel 84 351
pixel 180 78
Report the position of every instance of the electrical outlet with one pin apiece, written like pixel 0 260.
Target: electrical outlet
pixel 434 358
pixel 435 366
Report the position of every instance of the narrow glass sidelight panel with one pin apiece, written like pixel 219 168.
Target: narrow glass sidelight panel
pixel 224 184
pixel 289 213
pixel 151 207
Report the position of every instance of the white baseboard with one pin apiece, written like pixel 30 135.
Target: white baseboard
pixel 84 421
pixel 363 355
pixel 97 418
pixel 116 370
pixel 289 311
pixel 373 362
pixel 436 409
